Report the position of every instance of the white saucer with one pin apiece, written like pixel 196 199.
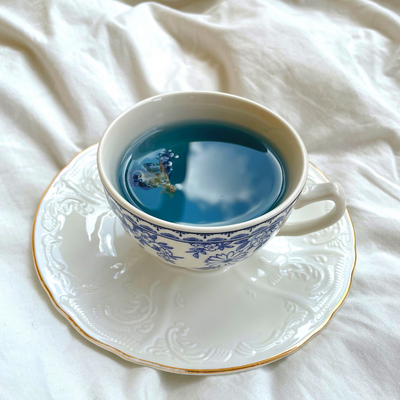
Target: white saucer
pixel 124 300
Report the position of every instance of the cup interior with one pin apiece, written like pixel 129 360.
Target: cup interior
pixel 187 106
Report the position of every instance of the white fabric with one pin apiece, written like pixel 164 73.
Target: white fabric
pixel 331 68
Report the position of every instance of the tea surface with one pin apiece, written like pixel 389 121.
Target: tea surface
pixel 202 173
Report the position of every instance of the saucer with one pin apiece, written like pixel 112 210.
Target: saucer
pixel 128 302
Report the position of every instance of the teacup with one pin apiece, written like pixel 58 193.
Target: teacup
pixel 213 247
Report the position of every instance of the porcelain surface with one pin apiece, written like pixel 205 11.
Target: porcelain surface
pixel 127 301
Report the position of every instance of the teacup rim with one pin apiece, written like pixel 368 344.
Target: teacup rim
pixel 200 229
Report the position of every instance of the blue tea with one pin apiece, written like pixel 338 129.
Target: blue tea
pixel 203 173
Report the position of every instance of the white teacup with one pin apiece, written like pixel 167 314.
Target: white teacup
pixel 210 248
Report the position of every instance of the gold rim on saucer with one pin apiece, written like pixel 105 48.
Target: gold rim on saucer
pixel 186 370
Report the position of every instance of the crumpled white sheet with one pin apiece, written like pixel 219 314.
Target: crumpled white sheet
pixel 331 68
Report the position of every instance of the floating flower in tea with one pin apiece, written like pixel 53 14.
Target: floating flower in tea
pixel 157 173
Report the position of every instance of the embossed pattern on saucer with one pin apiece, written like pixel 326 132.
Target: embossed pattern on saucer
pixel 128 302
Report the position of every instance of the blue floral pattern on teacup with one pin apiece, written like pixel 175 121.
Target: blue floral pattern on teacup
pixel 192 250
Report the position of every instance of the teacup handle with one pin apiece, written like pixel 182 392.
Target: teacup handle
pixel 322 191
